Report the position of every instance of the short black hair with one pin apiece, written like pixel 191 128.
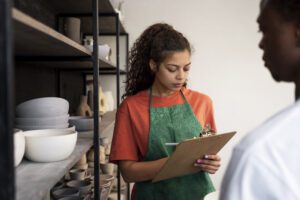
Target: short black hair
pixel 288 9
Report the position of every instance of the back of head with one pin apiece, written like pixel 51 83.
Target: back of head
pixel 288 9
pixel 156 43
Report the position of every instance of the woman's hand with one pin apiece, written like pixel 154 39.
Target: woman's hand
pixel 209 163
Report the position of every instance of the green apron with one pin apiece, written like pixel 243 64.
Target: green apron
pixel 173 124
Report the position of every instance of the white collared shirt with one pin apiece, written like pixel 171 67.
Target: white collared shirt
pixel 266 163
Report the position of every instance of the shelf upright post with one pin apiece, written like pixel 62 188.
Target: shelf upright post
pixel 127 53
pixel 7 170
pixel 95 8
pixel 118 87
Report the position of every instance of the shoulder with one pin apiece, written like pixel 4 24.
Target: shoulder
pixel 137 101
pixel 196 97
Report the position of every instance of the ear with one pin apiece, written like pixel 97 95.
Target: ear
pixel 152 65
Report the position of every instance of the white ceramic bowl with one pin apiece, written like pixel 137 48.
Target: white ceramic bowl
pixel 42 121
pixel 48 145
pixel 43 107
pixel 82 123
pixel 27 128
pixel 19 146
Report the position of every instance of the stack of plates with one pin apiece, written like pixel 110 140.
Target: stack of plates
pixel 42 113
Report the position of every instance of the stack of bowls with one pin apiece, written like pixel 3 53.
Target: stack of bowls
pixel 42 113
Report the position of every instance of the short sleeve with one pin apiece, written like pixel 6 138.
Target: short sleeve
pixel 123 145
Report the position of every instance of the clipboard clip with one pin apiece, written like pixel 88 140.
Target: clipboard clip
pixel 207 131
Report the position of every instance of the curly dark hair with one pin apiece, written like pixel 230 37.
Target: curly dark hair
pixel 288 9
pixel 157 42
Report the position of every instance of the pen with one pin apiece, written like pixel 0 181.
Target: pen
pixel 171 144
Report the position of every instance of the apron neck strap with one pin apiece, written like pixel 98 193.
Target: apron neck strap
pixel 181 93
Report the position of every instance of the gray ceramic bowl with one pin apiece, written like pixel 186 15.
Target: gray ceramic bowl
pixel 65 192
pixel 43 107
pixel 82 123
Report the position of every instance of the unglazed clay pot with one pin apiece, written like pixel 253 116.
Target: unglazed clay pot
pixel 83 108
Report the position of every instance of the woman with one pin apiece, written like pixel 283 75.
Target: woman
pixel 158 108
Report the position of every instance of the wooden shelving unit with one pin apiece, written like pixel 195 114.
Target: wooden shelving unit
pixel 41 44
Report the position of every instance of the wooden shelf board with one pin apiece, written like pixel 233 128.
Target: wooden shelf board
pixel 84 65
pixel 79 6
pixel 33 38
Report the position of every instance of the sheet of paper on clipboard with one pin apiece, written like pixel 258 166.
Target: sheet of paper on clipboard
pixel 181 162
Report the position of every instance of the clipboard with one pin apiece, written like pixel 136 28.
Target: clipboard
pixel 181 162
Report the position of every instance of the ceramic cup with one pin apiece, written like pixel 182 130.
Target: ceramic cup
pixel 107 168
pixel 77 174
pixel 72 28
pixel 83 186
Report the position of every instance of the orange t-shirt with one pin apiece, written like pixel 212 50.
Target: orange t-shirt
pixel 131 133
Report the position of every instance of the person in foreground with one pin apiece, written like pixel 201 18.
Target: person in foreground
pixel 158 108
pixel 265 164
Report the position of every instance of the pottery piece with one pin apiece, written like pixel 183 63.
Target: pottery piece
pixel 107 177
pixel 102 102
pixel 28 128
pixel 77 174
pixel 42 121
pixel 43 107
pixel 83 108
pixel 72 28
pixel 101 154
pixel 83 186
pixel 107 168
pixel 65 192
pixel 70 198
pixel 82 123
pixel 19 146
pixel 82 161
pixel 114 196
pixel 107 145
pixel 48 146
pixel 83 166
pixel 104 51
pixel 110 102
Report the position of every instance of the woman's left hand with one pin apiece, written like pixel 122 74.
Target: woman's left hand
pixel 209 163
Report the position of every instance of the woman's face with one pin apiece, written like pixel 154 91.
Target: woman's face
pixel 172 73
pixel 280 45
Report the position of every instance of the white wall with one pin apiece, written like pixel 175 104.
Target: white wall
pixel 227 62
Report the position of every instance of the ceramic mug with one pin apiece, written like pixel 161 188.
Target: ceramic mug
pixel 72 28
